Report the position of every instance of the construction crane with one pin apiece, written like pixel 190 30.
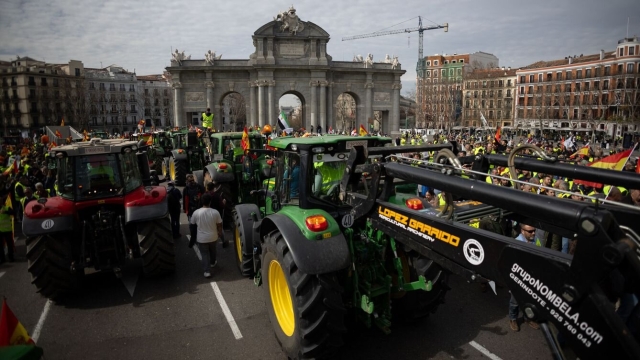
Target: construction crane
pixel 420 65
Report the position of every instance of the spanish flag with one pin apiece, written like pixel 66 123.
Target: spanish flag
pixel 611 162
pixel 58 134
pixel 497 136
pixel 582 152
pixel 245 139
pixel 638 166
pixel 150 140
pixel 363 131
pixel 11 330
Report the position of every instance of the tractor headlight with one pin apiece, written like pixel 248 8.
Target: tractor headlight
pixel 317 150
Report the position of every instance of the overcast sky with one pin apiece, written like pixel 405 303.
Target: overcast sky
pixel 140 34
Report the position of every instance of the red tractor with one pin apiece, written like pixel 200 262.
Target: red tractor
pixel 105 212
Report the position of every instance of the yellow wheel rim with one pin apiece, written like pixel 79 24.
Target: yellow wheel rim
pixel 164 169
pixel 281 298
pixel 238 245
pixel 172 170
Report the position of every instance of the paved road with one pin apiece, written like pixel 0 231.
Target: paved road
pixel 180 317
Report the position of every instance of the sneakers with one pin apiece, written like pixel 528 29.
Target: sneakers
pixel 207 274
pixel 534 325
pixel 214 264
pixel 513 324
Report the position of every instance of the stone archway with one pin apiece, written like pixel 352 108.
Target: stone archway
pixel 232 111
pixel 303 110
pixel 288 59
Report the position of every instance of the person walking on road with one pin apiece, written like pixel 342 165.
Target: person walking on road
pixel 208 225
pixel 6 226
pixel 174 196
pixel 192 193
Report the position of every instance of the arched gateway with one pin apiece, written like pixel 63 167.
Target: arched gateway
pixel 290 57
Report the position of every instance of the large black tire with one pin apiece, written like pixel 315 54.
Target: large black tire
pixel 310 320
pixel 156 246
pixel 241 233
pixel 419 304
pixel 180 169
pixel 49 263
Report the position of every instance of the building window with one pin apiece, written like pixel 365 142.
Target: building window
pixel 446 61
pixel 586 86
pixel 607 71
pixel 77 72
pixel 621 52
pixel 531 77
pixel 435 74
pixel 539 77
pixel 630 68
pixel 579 74
pixel 133 108
pixel 619 69
pixel 521 90
pixel 461 61
pixel 558 76
pixel 122 88
pixel 588 73
pixel 428 63
pixel 509 82
pixel 131 87
pixel 508 92
pixel 112 87
pixel 444 72
pixel 453 61
pixel 578 87
pixel 459 72
pixel 102 86
pixel 568 75
pixel 567 88
pixel 632 50
pixel 43 81
pixel 450 72
pixel 605 86
pixel 530 90
pixel 435 62
pixel 596 85
pixel 428 72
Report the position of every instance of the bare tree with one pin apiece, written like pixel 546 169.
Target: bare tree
pixel 237 109
pixel 345 111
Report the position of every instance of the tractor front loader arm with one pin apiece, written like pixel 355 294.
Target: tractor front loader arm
pixel 571 292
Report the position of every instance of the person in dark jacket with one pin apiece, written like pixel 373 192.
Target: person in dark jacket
pixel 173 197
pixel 192 193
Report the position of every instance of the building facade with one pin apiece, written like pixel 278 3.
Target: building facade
pixel 155 100
pixel 37 94
pixel 114 99
pixel 439 89
pixel 489 93
pixel 599 92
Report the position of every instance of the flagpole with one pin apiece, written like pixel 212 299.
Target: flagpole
pixel 625 164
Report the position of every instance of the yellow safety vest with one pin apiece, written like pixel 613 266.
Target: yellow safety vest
pixel 36 197
pixel 6 222
pixel 207 121
pixel 16 191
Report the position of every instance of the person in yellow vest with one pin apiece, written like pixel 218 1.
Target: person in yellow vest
pixel 207 119
pixel 328 176
pixel 403 141
pixel 28 197
pixel 41 192
pixel 6 226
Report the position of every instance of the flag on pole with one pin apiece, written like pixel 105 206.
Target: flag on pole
pixel 13 167
pixel 562 146
pixel 497 135
pixel 11 330
pixel 582 152
pixel 62 122
pixel 150 140
pixel 363 131
pixel 484 121
pixel 283 124
pixel 245 139
pixel 58 134
pixel 638 166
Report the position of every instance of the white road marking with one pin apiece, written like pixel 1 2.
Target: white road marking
pixel 195 249
pixel 43 317
pixel 226 311
pixel 1 273
pixel 484 351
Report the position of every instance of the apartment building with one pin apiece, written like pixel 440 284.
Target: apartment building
pixel 597 92
pixel 36 94
pixel 156 100
pixel 489 92
pixel 114 99
pixel 439 87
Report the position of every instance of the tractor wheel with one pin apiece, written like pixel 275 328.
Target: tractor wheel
pixel 165 169
pixel 244 248
pixel 419 304
pixel 306 311
pixel 49 262
pixel 178 171
pixel 156 246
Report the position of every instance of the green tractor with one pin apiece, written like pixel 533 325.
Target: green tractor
pixel 158 146
pixel 318 264
pixel 187 155
pixel 227 166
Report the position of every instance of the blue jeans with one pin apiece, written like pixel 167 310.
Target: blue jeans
pixel 208 252
pixel 514 309
pixel 565 245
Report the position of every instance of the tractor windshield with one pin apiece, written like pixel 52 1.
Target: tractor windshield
pixel 98 176
pixel 288 178
pixel 327 172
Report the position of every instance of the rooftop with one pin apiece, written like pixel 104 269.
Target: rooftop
pixel 576 59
